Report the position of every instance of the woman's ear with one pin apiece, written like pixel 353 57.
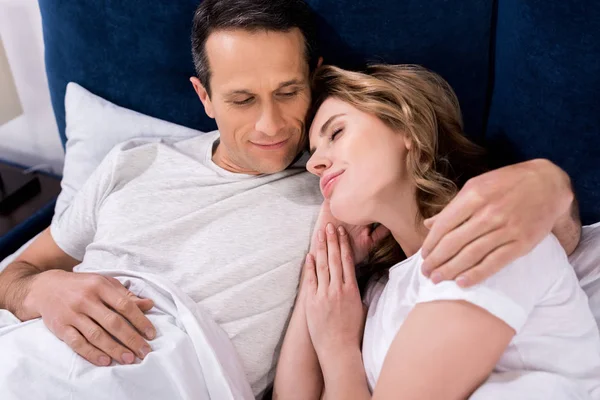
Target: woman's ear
pixel 407 141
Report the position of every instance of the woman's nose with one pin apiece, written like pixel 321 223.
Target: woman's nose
pixel 317 164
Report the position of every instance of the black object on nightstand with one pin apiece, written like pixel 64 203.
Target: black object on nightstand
pixel 16 188
pixel 26 205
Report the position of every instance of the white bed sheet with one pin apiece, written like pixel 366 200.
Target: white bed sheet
pixel 191 358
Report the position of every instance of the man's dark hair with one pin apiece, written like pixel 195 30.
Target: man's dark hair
pixel 250 15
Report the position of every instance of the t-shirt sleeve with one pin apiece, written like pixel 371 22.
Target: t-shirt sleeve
pixel 513 292
pixel 75 228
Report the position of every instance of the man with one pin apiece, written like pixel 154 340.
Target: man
pixel 227 216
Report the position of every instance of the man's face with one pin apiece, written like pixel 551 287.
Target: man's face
pixel 259 98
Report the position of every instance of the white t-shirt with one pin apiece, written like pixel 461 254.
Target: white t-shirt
pixel 586 261
pixel 234 243
pixel 538 295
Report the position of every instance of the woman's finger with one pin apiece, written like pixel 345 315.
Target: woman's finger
pixel 321 262
pixel 310 274
pixel 349 272
pixel 333 257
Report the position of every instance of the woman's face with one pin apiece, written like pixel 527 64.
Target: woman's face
pixel 360 160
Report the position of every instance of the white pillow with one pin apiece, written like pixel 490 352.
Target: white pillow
pixel 586 262
pixel 93 127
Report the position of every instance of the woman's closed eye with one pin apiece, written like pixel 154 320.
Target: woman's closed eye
pixel 335 133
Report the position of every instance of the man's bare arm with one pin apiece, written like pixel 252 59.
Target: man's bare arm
pixel 568 228
pixel 86 311
pixel 496 218
pixel 15 281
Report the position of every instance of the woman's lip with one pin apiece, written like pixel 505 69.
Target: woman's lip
pixel 328 187
pixel 273 146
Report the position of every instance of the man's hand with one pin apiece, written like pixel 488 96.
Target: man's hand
pixel 88 311
pixel 362 238
pixel 496 218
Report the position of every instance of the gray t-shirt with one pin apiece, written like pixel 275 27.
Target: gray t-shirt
pixel 234 243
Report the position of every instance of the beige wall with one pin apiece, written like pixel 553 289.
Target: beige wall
pixel 30 139
pixel 10 105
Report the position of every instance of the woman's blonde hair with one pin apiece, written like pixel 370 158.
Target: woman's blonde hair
pixel 420 104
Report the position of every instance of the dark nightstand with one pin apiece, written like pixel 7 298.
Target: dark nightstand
pixel 30 207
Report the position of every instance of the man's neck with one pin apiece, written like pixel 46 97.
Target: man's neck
pixel 222 161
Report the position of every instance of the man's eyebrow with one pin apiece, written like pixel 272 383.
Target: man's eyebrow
pixel 239 91
pixel 324 128
pixel 247 92
pixel 291 82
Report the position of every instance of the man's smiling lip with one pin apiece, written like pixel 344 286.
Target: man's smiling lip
pixel 271 146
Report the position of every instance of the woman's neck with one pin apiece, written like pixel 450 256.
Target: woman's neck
pixel 400 214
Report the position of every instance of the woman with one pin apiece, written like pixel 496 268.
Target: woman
pixel 389 149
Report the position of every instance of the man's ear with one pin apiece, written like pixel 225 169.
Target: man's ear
pixel 203 95
pixel 320 62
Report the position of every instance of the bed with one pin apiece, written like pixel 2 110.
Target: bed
pixel 526 72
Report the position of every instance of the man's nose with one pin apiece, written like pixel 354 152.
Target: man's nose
pixel 270 121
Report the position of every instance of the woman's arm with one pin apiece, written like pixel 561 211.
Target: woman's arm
pixel 444 350
pixel 344 375
pixel 335 316
pixel 298 373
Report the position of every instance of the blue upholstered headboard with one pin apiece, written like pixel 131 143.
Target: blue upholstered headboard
pixel 526 71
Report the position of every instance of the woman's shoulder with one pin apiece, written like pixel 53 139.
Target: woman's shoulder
pixel 403 276
pixel 546 257
pixel 513 292
pixel 535 273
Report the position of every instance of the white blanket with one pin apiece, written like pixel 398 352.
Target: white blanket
pixel 192 357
